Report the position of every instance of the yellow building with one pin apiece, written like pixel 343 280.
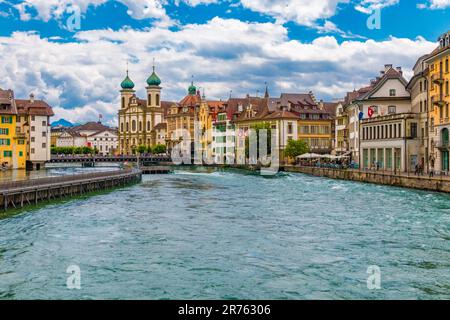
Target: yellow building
pixel 439 97
pixel 12 142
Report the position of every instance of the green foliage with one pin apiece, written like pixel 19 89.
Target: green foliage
pixel 296 148
pixel 141 149
pixel 73 150
pixel 160 148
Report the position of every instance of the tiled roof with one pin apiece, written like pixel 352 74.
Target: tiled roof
pixel 282 114
pixel 161 126
pixel 36 107
pixel 391 73
pixel 293 99
pixel 113 131
pixel 91 126
pixel 331 107
pixel 190 100
pixel 165 105
pixel 259 106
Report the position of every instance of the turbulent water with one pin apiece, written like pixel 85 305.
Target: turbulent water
pixel 226 235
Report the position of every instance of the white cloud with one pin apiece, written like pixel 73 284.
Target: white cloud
pixel 367 6
pixel 194 3
pixel 303 12
pixel 435 4
pixel 82 79
pixel 55 9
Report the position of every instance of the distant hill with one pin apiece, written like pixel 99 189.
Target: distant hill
pixel 62 123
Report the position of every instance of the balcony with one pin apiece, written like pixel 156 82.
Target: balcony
pixel 443 145
pixel 437 100
pixel 20 134
pixel 437 78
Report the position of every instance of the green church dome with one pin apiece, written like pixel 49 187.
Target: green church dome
pixel 192 89
pixel 127 83
pixel 153 80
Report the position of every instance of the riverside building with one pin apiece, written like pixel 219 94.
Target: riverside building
pixel 389 129
pixel 439 98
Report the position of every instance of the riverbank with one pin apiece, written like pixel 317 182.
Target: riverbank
pixel 22 193
pixel 438 184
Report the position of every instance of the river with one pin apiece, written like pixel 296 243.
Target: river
pixel 228 235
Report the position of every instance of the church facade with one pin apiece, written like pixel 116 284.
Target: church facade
pixel 139 117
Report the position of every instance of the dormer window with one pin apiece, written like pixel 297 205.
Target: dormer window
pixel 392 93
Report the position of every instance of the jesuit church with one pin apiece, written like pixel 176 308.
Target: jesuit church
pixel 138 118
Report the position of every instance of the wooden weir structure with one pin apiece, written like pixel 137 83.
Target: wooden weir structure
pixel 21 193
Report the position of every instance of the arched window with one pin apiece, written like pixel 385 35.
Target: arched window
pixel 123 102
pixel 140 125
pixel 148 126
pixel 157 100
pixel 127 127
pixel 133 125
pixel 444 137
pixel 121 127
pixel 149 99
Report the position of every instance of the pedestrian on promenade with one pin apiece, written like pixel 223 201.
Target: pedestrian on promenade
pixel 432 169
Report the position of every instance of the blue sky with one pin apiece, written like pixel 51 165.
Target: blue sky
pixel 238 45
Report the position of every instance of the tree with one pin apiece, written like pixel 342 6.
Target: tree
pixel 87 150
pixel 142 149
pixel 296 148
pixel 160 148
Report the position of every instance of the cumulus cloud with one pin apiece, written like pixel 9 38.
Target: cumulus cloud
pixel 82 78
pixel 435 4
pixel 55 9
pixel 303 12
pixel 367 6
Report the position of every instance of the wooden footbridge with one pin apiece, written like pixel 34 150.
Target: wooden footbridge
pixel 22 193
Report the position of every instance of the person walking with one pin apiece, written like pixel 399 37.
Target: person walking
pixel 432 169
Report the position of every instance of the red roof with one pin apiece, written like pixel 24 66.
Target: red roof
pixel 35 107
pixel 190 100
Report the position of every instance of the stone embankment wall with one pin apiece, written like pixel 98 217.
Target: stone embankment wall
pixel 439 184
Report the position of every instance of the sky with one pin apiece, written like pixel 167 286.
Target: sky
pixel 74 53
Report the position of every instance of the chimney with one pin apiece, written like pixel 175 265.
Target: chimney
pixel 321 104
pixel 382 73
pixel 313 97
pixel 387 67
pixel 31 97
pixel 373 81
pixel 399 70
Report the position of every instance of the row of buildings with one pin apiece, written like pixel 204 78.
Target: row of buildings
pixel 390 124
pixel 94 135
pixel 223 125
pixel 399 125
pixel 24 131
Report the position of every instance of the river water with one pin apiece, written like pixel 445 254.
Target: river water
pixel 227 235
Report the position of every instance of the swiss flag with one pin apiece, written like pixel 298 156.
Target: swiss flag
pixel 370 112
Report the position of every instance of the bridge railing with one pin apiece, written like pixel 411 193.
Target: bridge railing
pixel 68 178
pixel 78 158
